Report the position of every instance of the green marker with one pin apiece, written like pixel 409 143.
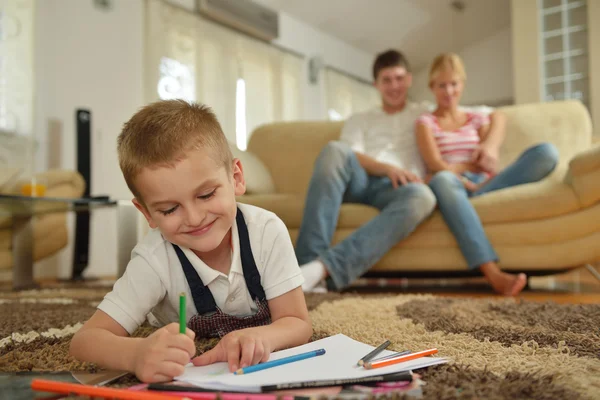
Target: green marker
pixel 182 313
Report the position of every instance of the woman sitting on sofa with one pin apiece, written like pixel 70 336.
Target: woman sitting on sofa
pixel 450 142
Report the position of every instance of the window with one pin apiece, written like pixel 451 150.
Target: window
pixel 564 47
pixel 241 132
pixel 346 95
pixel 246 82
pixel 176 81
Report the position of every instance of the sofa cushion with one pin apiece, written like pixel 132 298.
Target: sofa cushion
pixel 290 209
pixel 548 198
pixel 257 176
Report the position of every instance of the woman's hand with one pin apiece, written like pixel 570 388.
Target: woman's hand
pixel 485 157
pixel 469 185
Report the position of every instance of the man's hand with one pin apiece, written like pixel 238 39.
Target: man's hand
pixel 486 158
pixel 400 176
pixel 239 348
pixel 163 355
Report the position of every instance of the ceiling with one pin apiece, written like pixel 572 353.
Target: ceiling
pixel 419 28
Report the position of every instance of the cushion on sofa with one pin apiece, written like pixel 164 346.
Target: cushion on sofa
pixel 257 176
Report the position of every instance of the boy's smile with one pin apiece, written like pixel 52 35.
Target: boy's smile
pixel 192 202
pixel 201 230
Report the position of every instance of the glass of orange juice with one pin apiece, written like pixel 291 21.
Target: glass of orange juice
pixel 35 187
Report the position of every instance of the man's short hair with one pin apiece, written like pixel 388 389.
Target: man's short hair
pixel 162 132
pixel 389 58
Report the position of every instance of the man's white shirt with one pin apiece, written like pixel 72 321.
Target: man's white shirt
pixel 390 138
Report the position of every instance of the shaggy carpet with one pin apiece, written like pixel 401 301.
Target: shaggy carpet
pixel 500 349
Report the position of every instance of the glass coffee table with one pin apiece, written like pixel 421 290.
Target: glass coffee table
pixel 21 210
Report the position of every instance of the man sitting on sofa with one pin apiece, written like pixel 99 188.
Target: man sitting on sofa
pixel 376 162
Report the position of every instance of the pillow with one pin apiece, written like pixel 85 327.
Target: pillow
pixel 258 178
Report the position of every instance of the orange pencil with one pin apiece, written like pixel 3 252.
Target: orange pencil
pixel 400 359
pixel 43 385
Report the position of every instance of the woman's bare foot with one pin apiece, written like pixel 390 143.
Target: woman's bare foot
pixel 502 282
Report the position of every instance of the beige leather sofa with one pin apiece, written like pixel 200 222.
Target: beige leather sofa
pixel 49 230
pixel 538 228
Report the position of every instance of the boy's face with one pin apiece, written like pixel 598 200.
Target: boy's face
pixel 192 203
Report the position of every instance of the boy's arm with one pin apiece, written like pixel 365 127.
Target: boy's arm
pixel 157 358
pixel 104 339
pixel 291 324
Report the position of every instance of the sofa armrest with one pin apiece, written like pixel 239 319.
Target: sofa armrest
pixel 59 182
pixel 584 174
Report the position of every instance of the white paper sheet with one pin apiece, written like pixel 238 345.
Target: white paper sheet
pixel 339 362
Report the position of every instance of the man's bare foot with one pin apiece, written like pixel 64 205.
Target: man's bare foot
pixel 502 282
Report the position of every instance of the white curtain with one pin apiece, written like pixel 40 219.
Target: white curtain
pixel 17 19
pixel 346 96
pixel 192 58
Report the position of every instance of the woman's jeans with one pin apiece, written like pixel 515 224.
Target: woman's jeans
pixel 458 212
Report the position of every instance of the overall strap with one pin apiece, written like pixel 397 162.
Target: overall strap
pixel 251 275
pixel 203 298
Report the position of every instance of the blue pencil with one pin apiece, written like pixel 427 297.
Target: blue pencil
pixel 281 361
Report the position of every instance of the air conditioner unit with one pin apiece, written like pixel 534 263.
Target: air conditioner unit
pixel 243 15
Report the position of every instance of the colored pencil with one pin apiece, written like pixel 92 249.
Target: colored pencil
pixel 408 357
pixel 197 393
pixel 373 353
pixel 182 319
pixel 281 361
pixel 42 385
pixel 393 355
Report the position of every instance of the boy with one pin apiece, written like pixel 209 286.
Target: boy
pixel 236 262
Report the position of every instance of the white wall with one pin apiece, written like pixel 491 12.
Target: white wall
pixel 489 72
pixel 303 38
pixel 86 57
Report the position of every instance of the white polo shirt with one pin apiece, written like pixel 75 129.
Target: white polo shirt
pixel 390 138
pixel 154 277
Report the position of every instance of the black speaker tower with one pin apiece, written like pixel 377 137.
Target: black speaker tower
pixel 83 122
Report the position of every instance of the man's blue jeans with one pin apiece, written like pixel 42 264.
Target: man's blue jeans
pixel 339 178
pixel 458 212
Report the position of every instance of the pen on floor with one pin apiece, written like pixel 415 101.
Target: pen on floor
pixel 393 355
pixel 397 360
pixel 373 353
pixel 281 361
pixel 182 319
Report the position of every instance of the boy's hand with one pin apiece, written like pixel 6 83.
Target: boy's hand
pixel 163 355
pixel 239 348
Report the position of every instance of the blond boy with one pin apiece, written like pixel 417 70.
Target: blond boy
pixel 235 262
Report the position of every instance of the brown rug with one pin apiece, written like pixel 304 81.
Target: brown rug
pixel 499 349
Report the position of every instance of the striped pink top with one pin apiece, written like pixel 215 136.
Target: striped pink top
pixel 456 146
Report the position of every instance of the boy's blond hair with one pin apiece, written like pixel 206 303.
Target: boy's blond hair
pixel 162 132
pixel 449 61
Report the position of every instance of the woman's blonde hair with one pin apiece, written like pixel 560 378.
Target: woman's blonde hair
pixel 447 61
